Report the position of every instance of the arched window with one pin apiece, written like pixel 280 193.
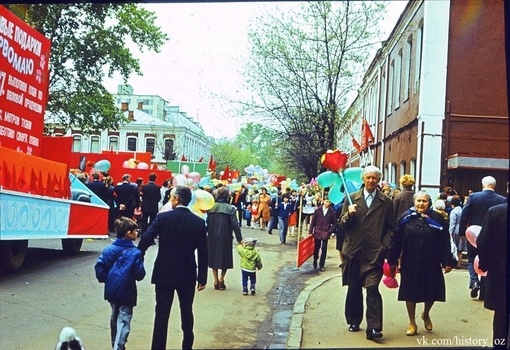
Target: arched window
pixel 113 143
pixel 95 144
pixel 77 143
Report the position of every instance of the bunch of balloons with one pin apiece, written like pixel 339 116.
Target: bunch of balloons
pixel 133 163
pixel 187 177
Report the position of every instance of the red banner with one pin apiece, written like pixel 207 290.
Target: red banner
pixel 305 249
pixel 24 77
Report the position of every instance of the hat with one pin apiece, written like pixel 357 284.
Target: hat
pixel 249 241
pixel 439 205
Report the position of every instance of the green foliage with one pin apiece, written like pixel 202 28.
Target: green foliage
pixel 89 43
pixel 303 65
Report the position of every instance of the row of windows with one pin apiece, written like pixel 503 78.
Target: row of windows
pixel 113 144
pixel 386 97
pixel 390 171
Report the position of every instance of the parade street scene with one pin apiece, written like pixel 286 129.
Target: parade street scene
pixel 254 175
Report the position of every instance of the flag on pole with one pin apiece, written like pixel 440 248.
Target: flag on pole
pixel 183 158
pixel 367 137
pixel 356 144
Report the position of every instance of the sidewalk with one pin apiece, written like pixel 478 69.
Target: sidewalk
pixel 318 320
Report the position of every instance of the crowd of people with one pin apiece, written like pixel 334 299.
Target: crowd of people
pixel 418 236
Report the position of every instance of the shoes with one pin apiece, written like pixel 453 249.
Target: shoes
pixel 216 285
pixel 474 290
pixel 373 334
pixel 253 291
pixel 270 232
pixel 427 322
pixel 412 329
pixel 222 285
pixel 315 265
pixel 341 265
pixel 322 269
pixel 354 328
pixel 245 292
pixel 283 243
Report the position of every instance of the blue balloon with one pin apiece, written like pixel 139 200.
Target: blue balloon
pixel 102 165
pixel 335 195
pixel 328 178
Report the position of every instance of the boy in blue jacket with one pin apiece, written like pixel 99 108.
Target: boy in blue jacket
pixel 119 267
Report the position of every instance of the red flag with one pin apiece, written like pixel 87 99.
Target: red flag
pixel 211 163
pixel 356 144
pixel 40 185
pixel 22 183
pixel 183 158
pixel 226 174
pixel 49 186
pixel 33 182
pixel 367 137
pixel 6 176
pixel 201 159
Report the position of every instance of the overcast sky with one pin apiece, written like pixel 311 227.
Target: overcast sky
pixel 202 58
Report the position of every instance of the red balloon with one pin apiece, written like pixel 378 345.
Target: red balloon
pixel 476 264
pixel 472 233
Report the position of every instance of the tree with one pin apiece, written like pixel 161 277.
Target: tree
pixel 303 65
pixel 89 43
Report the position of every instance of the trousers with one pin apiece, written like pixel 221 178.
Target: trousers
pixel 354 306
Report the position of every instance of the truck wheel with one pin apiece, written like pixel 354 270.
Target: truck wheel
pixel 12 255
pixel 72 246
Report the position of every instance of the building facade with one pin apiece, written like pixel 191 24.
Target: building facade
pixel 153 126
pixel 435 98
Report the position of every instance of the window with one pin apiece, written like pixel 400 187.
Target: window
pixel 407 67
pixel 398 74
pixel 150 144
pixel 393 173
pixel 169 149
pixel 77 143
pixel 402 168
pixel 382 91
pixel 389 95
pixel 113 143
pixel 94 144
pixel 417 62
pixel 131 144
pixel 412 168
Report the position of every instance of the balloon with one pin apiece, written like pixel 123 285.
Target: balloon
pixel 353 174
pixel 472 233
pixel 204 181
pixel 184 169
pixel 236 186
pixel 102 165
pixel 390 282
pixel 179 180
pixel 203 200
pixel 125 164
pixel 327 178
pixel 131 163
pixel 142 165
pixel 476 265
pixel 195 176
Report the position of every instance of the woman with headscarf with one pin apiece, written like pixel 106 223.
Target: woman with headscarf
pixel 424 241
pixel 222 224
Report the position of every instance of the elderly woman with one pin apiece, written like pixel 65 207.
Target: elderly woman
pixel 424 241
pixel 222 225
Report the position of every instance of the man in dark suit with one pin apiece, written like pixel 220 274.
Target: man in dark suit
pixel 98 187
pixel 151 195
pixel 127 197
pixel 473 213
pixel 492 252
pixel 181 233
pixel 369 225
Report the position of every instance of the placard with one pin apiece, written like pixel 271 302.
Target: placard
pixel 305 249
pixel 24 79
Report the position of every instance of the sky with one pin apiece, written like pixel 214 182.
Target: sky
pixel 203 58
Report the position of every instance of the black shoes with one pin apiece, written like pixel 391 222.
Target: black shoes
pixel 315 265
pixel 354 328
pixel 474 290
pixel 374 334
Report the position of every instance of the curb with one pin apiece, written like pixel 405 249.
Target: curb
pixel 296 324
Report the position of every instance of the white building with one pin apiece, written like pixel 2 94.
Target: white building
pixel 153 126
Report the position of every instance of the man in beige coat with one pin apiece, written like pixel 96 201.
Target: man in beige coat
pixel 369 224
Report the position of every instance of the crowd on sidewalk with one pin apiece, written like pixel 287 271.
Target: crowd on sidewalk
pixel 418 236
